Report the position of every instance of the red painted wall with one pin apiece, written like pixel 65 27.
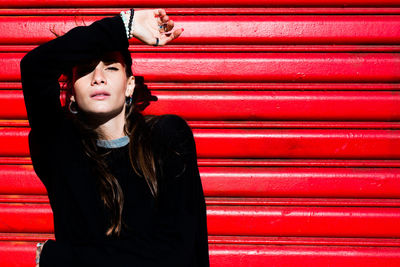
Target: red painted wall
pixel 295 110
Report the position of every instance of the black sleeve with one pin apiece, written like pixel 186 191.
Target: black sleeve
pixel 180 236
pixel 42 67
pixel 40 70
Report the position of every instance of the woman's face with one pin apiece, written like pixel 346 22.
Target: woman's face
pixel 100 86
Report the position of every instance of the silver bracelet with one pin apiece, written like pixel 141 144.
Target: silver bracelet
pixel 39 249
pixel 124 15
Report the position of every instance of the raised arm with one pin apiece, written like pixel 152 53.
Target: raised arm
pixel 42 67
pixel 40 70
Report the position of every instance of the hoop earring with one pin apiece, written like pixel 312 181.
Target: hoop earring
pixel 73 111
pixel 128 101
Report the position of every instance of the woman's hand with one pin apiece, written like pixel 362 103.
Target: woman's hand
pixel 152 24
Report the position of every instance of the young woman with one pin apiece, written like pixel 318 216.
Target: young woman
pixel 124 188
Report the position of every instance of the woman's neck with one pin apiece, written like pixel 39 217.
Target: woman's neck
pixel 109 128
pixel 113 128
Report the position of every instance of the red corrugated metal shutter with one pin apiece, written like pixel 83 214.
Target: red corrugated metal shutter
pixel 295 110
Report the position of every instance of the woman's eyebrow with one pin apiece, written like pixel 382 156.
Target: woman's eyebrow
pixel 109 62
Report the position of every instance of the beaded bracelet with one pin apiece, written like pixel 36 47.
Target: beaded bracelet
pixel 39 247
pixel 128 24
pixel 122 14
pixel 130 29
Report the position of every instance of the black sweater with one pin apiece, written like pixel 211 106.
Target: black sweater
pixel 173 233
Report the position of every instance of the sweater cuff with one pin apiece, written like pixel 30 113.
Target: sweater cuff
pixel 121 29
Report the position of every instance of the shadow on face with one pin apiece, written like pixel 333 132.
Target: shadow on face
pixel 85 67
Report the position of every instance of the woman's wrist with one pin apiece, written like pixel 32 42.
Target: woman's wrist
pixel 152 27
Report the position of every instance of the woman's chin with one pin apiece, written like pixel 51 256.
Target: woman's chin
pixel 104 112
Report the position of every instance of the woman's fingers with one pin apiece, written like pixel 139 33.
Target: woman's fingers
pixel 164 23
pixel 165 19
pixel 161 16
pixel 166 39
pixel 153 25
pixel 169 26
pixel 166 27
pixel 159 12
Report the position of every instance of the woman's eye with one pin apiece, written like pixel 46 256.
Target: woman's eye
pixel 112 68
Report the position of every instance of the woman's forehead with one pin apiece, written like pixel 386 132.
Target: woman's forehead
pixel 107 58
pixel 114 56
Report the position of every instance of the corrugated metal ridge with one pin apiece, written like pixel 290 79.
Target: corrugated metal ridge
pixel 256 105
pixel 249 201
pixel 209 11
pixel 238 240
pixel 302 29
pixel 290 221
pixel 389 163
pixel 240 48
pixel 265 143
pixel 249 183
pixel 262 124
pixel 242 86
pixel 245 255
pixel 260 67
pixel 197 3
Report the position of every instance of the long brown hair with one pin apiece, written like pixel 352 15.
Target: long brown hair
pixel 143 156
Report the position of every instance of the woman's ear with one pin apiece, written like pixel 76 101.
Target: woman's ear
pixel 72 98
pixel 130 86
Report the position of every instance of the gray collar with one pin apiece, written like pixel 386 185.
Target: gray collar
pixel 115 143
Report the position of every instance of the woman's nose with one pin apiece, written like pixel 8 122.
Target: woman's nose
pixel 98 76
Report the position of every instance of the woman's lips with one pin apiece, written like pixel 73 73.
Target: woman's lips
pixel 99 95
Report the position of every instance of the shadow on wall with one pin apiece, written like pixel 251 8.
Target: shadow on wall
pixel 142 95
